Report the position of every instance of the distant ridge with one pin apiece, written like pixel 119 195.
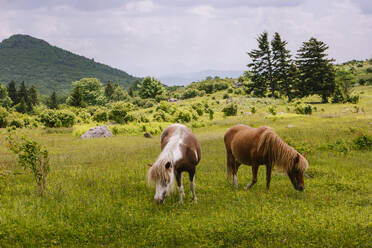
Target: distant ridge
pixel 35 61
pixel 187 78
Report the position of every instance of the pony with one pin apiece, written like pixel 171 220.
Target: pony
pixel 180 152
pixel 258 146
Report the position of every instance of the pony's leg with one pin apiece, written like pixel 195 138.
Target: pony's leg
pixel 230 164
pixel 192 184
pixel 268 176
pixel 180 186
pixel 235 171
pixel 254 177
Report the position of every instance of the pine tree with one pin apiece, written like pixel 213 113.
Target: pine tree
pixel 281 61
pixel 317 74
pixel 33 95
pixel 52 102
pixel 76 98
pixel 109 90
pixel 12 92
pixel 261 68
pixel 23 93
pixel 22 107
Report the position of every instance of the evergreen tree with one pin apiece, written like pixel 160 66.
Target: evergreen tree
pixel 317 74
pixel 22 107
pixel 23 93
pixel 109 90
pixel 12 92
pixel 281 61
pixel 261 68
pixel 52 102
pixel 76 98
pixel 33 95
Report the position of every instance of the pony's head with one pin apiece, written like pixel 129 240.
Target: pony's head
pixel 161 174
pixel 297 170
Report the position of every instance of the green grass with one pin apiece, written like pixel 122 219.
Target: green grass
pixel 97 193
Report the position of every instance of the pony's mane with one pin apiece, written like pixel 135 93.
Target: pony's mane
pixel 158 172
pixel 280 153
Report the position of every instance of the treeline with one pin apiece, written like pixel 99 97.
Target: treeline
pixel 273 72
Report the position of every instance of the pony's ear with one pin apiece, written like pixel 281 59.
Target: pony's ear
pixel 149 165
pixel 297 159
pixel 304 154
pixel 167 165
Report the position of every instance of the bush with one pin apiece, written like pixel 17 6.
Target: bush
pixel 119 112
pixel 57 118
pixel 31 155
pixel 303 109
pixel 190 93
pixel 18 123
pixel 272 110
pixel 198 107
pixel 166 107
pixel 183 116
pixel 226 96
pixel 100 115
pixel 162 116
pixel 253 110
pixel 3 117
pixel 363 142
pixel 230 110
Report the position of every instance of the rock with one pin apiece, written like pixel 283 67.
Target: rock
pixel 238 84
pixel 290 126
pixel 97 132
pixel 248 113
pixel 172 100
pixel 281 113
pixel 147 135
pixel 111 123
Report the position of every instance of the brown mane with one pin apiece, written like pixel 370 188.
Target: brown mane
pixel 278 152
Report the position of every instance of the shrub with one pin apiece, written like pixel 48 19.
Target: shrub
pixel 119 112
pixel 253 110
pixel 303 109
pixel 226 96
pixel 57 118
pixel 272 110
pixel 190 93
pixel 211 112
pixel 166 107
pixel 229 90
pixel 183 116
pixel 31 155
pixel 198 107
pixel 363 142
pixel 230 110
pixel 100 116
pixel 3 117
pixel 162 116
pixel 18 123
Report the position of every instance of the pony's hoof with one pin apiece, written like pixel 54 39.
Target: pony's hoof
pixel 195 200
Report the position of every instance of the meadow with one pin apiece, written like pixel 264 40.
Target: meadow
pixel 97 194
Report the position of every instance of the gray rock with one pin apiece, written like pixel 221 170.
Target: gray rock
pixel 147 135
pixel 97 132
pixel 290 126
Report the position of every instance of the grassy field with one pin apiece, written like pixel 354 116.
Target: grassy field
pixel 98 196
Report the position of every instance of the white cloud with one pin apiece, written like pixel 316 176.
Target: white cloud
pixel 160 37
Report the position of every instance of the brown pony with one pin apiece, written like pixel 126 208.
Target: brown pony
pixel 180 151
pixel 256 146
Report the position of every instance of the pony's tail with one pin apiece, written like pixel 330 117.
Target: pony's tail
pixel 230 165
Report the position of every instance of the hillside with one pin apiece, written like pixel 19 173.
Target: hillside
pixel 25 58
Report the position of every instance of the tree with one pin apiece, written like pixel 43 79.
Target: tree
pixel 52 102
pixel 317 74
pixel 150 88
pixel 23 93
pixel 92 91
pixel 261 68
pixel 21 107
pixel 344 82
pixel 109 90
pixel 33 95
pixel 12 92
pixel 76 98
pixel 282 66
pixel 5 100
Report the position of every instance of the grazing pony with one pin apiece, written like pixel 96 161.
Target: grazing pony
pixel 257 146
pixel 180 151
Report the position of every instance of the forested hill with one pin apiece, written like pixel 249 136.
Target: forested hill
pixel 25 58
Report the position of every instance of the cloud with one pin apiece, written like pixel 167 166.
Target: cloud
pixel 162 36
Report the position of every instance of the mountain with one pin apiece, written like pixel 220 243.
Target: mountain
pixel 25 58
pixel 187 78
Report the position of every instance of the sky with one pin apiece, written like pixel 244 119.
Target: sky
pixel 161 37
